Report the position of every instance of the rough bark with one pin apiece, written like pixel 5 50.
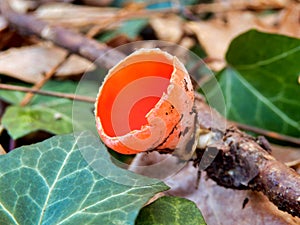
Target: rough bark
pixel 244 162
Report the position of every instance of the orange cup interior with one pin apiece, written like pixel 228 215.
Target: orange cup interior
pixel 121 79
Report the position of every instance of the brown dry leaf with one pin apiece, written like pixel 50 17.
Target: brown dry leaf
pixel 30 63
pixel 74 16
pixel 290 21
pixel 168 28
pixel 215 35
pixel 289 155
pixel 285 154
pixel 75 65
pixel 217 204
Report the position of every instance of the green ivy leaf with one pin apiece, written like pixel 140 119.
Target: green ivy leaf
pixel 20 121
pixel 247 105
pixel 130 28
pixel 261 88
pixel 46 113
pixel 170 210
pixel 52 183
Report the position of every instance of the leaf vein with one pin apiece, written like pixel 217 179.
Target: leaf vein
pixel 277 111
pixel 9 214
pixel 90 206
pixel 269 60
pixel 55 180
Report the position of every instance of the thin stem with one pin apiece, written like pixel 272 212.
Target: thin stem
pixel 245 127
pixel 267 133
pixel 48 93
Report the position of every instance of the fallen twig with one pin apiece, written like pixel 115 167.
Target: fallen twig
pixel 48 93
pixel 244 162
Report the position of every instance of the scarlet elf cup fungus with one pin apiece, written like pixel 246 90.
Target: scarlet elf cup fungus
pixel 145 102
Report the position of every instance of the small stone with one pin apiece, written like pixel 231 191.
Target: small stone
pixel 57 116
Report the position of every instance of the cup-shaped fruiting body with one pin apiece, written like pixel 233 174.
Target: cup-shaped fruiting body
pixel 145 103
